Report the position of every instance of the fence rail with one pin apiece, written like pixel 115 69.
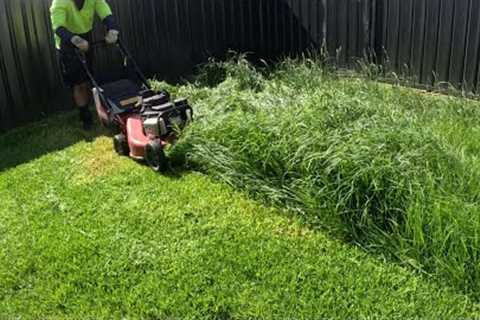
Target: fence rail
pixel 430 40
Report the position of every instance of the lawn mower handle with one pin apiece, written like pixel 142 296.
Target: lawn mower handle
pixel 125 54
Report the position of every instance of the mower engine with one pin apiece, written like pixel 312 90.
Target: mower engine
pixel 162 118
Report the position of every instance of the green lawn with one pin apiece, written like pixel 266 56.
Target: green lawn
pixel 86 234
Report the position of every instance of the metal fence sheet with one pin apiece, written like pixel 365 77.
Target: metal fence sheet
pixel 429 40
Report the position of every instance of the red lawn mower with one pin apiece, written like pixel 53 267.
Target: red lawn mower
pixel 146 121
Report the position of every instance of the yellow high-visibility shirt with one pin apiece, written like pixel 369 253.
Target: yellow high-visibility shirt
pixel 64 13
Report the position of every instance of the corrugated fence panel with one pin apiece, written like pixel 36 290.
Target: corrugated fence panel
pixel 432 41
pixel 444 45
pixel 168 37
pixel 28 69
pixel 6 100
pixel 418 36
pixel 459 41
pixel 405 35
pixel 473 44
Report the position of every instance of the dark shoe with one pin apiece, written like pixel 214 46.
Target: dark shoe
pixel 86 118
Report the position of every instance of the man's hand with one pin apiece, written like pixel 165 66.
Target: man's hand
pixel 112 36
pixel 80 43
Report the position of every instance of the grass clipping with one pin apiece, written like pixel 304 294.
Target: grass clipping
pixel 388 168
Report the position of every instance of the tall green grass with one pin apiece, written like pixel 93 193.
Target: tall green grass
pixel 391 169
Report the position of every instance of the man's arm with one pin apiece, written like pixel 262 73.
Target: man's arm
pixel 104 12
pixel 58 15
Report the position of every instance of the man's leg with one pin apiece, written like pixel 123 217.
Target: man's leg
pixel 81 96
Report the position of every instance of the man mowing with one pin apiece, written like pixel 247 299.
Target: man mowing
pixel 72 22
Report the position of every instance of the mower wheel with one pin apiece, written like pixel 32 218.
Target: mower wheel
pixel 155 156
pixel 121 145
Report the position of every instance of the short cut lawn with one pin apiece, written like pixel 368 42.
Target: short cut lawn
pixel 85 234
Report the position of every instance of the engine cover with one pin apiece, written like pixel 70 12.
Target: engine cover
pixel 163 120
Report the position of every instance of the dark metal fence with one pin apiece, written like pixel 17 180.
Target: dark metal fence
pixel 28 71
pixel 431 40
pixel 169 37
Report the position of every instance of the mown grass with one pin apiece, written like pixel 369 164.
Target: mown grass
pixel 85 234
pixel 391 169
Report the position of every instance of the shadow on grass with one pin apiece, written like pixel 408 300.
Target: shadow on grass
pixel 55 134
pixel 27 143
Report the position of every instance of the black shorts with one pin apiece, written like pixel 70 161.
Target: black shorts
pixel 73 72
